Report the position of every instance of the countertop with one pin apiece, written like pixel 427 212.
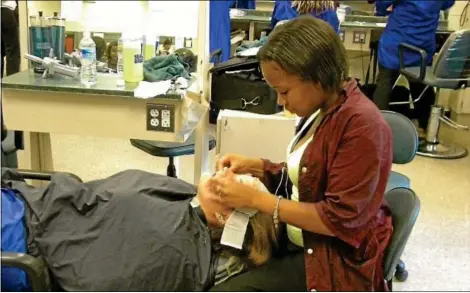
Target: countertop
pixel 106 85
pixel 352 21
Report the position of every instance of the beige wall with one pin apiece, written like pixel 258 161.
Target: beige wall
pixel 48 7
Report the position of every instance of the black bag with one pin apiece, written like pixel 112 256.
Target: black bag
pixel 238 85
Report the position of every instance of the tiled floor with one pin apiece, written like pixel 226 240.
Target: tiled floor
pixel 438 252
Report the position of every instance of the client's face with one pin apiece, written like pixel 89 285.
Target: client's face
pixel 215 213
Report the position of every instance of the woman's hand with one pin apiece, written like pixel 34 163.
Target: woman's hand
pixel 209 204
pixel 239 164
pixel 229 192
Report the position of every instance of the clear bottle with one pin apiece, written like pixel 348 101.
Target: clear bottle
pixel 120 64
pixel 88 74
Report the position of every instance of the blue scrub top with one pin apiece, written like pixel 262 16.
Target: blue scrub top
pixel 219 27
pixel 245 4
pixel 283 11
pixel 413 22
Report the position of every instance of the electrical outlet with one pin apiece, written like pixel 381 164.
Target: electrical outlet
pixel 161 117
pixel 341 35
pixel 166 114
pixel 188 43
pixel 166 123
pixel 154 113
pixel 154 122
pixel 359 37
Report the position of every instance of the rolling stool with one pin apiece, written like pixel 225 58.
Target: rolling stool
pixel 451 71
pixel 169 150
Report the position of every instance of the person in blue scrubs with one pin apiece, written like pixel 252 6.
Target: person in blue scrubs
pixel 322 9
pixel 219 27
pixel 245 4
pixel 413 22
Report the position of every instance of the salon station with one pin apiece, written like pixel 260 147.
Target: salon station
pixel 194 100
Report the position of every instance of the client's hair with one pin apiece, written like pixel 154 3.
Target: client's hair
pixel 313 6
pixel 260 240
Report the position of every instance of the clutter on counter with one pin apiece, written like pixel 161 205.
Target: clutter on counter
pixel 165 67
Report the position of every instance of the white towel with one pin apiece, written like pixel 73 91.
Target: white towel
pixel 147 89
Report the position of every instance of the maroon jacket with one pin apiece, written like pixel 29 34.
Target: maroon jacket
pixel 344 171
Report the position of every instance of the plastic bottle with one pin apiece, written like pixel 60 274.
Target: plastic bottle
pixel 88 73
pixel 150 41
pixel 132 57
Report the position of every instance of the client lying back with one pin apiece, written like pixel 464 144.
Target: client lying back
pixel 136 231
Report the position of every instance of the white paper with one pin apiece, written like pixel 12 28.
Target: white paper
pixel 249 52
pixel 235 230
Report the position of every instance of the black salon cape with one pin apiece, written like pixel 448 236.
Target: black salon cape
pixel 133 231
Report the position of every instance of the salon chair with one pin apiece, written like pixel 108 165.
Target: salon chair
pixel 405 206
pixel 169 150
pixel 405 146
pixel 450 71
pixel 36 270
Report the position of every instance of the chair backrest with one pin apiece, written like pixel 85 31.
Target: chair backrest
pixel 404 135
pixel 405 206
pixel 453 61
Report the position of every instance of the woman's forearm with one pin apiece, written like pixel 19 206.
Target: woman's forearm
pixel 299 214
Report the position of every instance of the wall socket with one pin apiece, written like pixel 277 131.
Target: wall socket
pixel 341 35
pixel 359 37
pixel 161 117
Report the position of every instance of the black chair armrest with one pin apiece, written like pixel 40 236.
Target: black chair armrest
pixel 422 68
pixel 217 54
pixel 35 268
pixel 41 175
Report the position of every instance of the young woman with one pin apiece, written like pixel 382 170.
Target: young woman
pixel 330 190
pixel 112 55
pixel 135 231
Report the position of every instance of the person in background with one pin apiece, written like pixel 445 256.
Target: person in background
pixel 100 48
pixel 112 55
pixel 415 23
pixel 166 47
pixel 322 9
pixel 10 38
pixel 219 28
pixel 244 4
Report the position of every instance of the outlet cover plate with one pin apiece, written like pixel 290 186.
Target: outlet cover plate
pixel 160 117
pixel 359 37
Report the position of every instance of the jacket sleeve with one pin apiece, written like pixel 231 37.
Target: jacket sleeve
pixel 356 180
pixel 447 4
pixel 276 179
